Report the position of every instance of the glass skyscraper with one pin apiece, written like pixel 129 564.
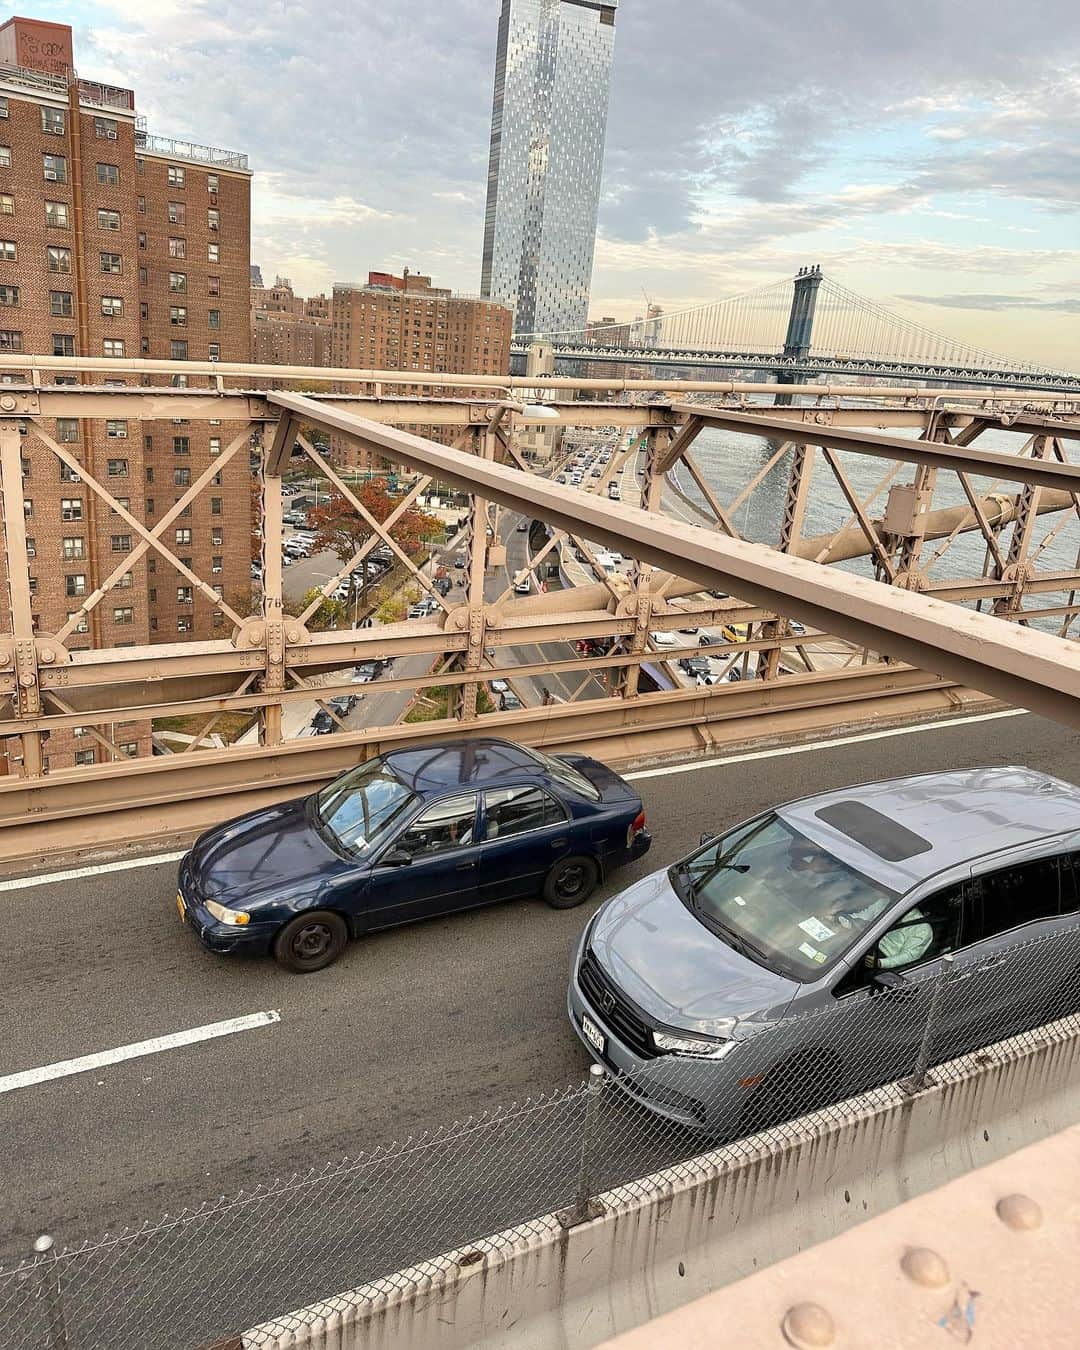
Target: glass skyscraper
pixel 548 119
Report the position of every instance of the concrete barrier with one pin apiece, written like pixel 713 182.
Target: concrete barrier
pixel 705 1223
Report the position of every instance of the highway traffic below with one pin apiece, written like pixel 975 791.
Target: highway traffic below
pixel 411 1029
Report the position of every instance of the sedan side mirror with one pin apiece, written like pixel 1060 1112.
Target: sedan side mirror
pixel 396 857
pixel 707 837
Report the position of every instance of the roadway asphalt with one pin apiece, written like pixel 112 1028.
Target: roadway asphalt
pixel 410 1030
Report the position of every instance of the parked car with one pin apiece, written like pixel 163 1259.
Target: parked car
pixel 459 560
pixel 695 665
pixel 509 701
pixel 443 586
pixel 365 672
pixel 418 832
pixel 322 724
pixel 522 525
pixel 523 586
pixel 296 548
pixel 665 639
pixel 499 687
pixel 709 981
pixel 343 704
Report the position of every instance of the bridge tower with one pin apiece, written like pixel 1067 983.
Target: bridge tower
pixel 800 327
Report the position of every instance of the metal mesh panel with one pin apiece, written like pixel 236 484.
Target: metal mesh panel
pixel 261 1256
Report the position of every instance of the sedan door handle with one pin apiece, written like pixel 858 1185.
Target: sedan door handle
pixel 559 843
pixel 465 866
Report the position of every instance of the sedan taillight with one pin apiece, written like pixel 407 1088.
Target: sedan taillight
pixel 636 826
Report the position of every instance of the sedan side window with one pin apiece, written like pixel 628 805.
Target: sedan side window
pixel 443 826
pixel 1023 894
pixel 516 810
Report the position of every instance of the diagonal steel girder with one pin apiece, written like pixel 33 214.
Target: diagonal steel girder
pixel 1021 666
pixel 933 454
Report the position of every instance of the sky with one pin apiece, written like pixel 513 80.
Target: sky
pixel 926 154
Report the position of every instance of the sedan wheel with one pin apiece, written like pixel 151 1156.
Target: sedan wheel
pixel 571 882
pixel 312 941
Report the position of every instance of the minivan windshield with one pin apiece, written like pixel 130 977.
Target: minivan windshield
pixel 359 809
pixel 780 898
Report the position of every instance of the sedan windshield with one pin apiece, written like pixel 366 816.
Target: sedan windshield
pixel 359 808
pixel 780 898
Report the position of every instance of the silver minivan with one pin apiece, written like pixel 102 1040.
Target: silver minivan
pixel 791 961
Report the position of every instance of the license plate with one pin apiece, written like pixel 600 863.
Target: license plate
pixel 181 907
pixel 593 1034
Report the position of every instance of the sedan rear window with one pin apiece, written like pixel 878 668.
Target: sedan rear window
pixel 778 897
pixel 360 807
pixel 563 773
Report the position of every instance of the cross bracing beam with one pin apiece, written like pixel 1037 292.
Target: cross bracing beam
pixel 975 649
pixel 933 454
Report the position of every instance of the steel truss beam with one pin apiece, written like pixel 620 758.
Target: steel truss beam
pixel 972 648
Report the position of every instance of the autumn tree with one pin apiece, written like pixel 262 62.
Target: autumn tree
pixel 339 528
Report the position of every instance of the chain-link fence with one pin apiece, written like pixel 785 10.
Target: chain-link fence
pixel 259 1256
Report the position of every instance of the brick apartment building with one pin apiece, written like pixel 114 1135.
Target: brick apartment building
pixel 286 329
pixel 117 243
pixel 405 323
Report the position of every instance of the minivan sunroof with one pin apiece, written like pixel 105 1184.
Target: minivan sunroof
pixel 887 838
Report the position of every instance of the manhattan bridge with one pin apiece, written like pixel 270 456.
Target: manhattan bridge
pixel 798 328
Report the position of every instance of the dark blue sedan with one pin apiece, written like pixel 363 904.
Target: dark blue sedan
pixel 411 834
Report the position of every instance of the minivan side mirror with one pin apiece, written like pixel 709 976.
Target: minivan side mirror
pixel 395 857
pixel 888 981
pixel 707 837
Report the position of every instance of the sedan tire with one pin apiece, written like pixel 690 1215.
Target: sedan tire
pixel 570 882
pixel 312 941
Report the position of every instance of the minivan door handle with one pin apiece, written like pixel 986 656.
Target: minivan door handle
pixel 992 962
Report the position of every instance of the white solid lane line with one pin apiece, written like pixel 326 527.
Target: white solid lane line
pixel 66 1067
pixel 720 761
pixel 77 873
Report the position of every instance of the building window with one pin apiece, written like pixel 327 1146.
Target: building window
pixel 121 543
pixel 125 502
pixel 108 220
pixel 216 564
pixel 56 215
pixel 31 545
pixel 175 175
pixel 71 508
pixel 178 316
pixel 213 253
pixel 75 584
pixel 144 310
pixel 112 306
pixel 215 446
pixel 184 595
pixel 178 349
pixel 217 536
pixel 144 276
pixel 109 175
pixel 110 262
pixel 128 748
pixel 59 259
pixel 182 477
pixel 9 295
pixel 213 285
pixel 54 166
pixel 142 239
pixel 213 318
pixel 177 213
pixel 8 251
pixel 67 430
pixel 184 623
pixel 177 247
pixel 105 128
pixel 52 121
pixel 7 204
pixel 149 506
pixel 63 344
pixel 10 340
pixel 177 281
pixel 4 107
pixel 74 548
pixel 144 345
pixel 212 182
pixel 28 508
pixel 213 218
pixel 215 506
pixel 116 429
pixel 118 468
pixel 85 757
pixel 68 474
pixel 61 304
pixel 213 351
pixel 113 347
pixel 123 614
pixel 124 582
pixel 183 535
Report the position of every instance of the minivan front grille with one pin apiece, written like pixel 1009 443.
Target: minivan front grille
pixel 613 1008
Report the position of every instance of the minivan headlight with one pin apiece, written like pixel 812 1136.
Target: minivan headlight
pixel 692 1045
pixel 223 915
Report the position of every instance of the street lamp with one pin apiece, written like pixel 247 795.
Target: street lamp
pixel 530 412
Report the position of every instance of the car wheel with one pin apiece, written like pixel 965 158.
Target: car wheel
pixel 570 882
pixel 312 941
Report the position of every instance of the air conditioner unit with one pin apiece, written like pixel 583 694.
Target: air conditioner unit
pixel 112 135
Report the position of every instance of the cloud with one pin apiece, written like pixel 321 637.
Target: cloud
pixel 997 303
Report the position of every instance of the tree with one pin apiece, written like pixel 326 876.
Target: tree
pixel 329 614
pixel 339 528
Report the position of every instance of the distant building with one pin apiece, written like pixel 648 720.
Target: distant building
pixel 287 330
pixel 405 323
pixel 548 122
pixel 256 275
pixel 118 243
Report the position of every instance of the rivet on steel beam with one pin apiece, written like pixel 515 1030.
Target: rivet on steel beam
pixel 46 656
pixel 28 679
pixel 292 634
pixel 7 403
pixel 808 1325
pixel 925 1267
pixel 1019 1212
